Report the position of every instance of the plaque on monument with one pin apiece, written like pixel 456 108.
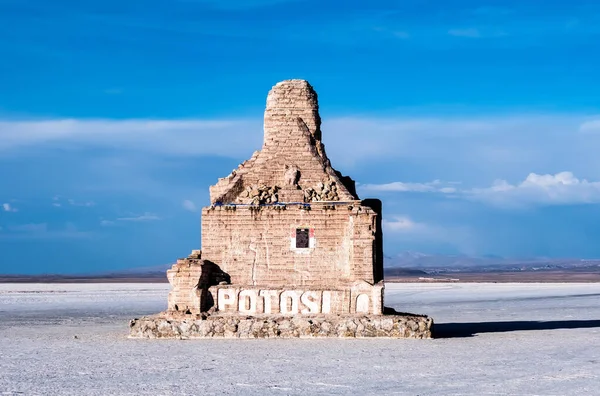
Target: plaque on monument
pixel 288 247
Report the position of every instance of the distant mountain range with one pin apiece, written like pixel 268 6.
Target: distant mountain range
pixel 433 264
pixel 407 264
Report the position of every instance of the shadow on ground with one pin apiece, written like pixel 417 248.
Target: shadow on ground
pixel 457 330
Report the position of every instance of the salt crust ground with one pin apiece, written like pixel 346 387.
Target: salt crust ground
pixel 39 354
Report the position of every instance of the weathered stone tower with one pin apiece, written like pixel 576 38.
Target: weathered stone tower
pixel 286 235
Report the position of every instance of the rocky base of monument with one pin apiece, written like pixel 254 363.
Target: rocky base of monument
pixel 319 326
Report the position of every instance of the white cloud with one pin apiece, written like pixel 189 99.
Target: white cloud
pixel 434 186
pixel 562 188
pixel 145 217
pixel 476 143
pixel 9 208
pixel 58 202
pixel 402 224
pixel 409 231
pixel 474 149
pixel 185 137
pixel 399 187
pixel 448 190
pixel 134 218
pixel 189 205
pixel 477 33
pixel 88 204
pixel 42 231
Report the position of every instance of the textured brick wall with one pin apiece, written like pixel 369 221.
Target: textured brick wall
pixel 292 140
pixel 184 277
pixel 253 244
pixel 287 102
pixel 251 239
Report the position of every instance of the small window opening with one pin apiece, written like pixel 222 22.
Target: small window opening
pixel 302 238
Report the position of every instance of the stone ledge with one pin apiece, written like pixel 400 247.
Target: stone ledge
pixel 321 326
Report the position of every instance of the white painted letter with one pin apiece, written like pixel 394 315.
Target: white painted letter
pixel 226 298
pixel 326 303
pixel 362 303
pixel 267 296
pixel 309 299
pixel 283 306
pixel 247 301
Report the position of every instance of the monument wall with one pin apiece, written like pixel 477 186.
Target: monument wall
pixel 286 238
pixel 258 245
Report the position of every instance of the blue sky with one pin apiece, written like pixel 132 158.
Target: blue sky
pixel 476 122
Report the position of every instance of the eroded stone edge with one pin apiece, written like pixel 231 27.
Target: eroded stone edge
pixel 235 326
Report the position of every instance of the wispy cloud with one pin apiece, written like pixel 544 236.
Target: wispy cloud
pixel 482 137
pixel 9 208
pixel 434 186
pixel 559 189
pixel 477 33
pixel 562 188
pixel 144 217
pixel 411 231
pixel 59 202
pixel 31 227
pixel 43 231
pixel 180 137
pixel 472 149
pixel 189 206
pixel 87 204
pixel 402 224
pixel 128 219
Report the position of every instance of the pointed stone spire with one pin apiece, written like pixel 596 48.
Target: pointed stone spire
pixel 290 104
pixel 292 165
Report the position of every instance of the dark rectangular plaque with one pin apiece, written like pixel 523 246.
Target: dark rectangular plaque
pixel 302 238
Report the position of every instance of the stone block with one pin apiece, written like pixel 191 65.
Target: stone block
pixel 273 326
pixel 288 247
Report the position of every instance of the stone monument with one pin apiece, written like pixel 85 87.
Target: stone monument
pixel 288 248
